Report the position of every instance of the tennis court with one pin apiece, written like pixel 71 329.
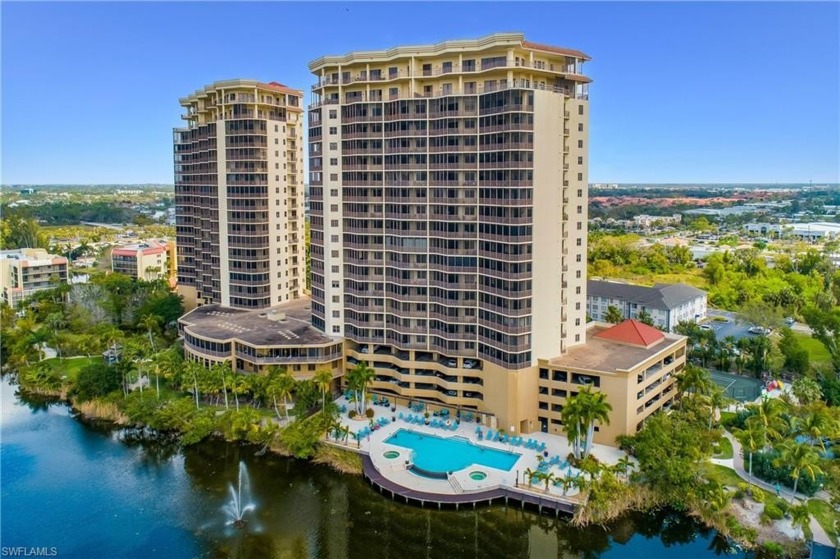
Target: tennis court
pixel 743 389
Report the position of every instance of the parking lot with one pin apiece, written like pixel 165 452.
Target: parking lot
pixel 731 327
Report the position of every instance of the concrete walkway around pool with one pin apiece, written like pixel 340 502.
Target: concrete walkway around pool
pixel 393 469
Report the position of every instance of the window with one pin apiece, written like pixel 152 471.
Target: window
pixel 335 254
pixel 334 223
pixel 333 192
pixel 276 128
pixel 334 238
pixel 333 176
pixel 333 145
pixel 333 130
pixel 580 209
pixel 333 160
pixel 580 160
pixel 580 143
pixel 577 291
pixel 577 274
pixel 577 306
pixel 335 269
pixel 336 329
pixel 578 242
pixel 579 226
pixel 336 314
pixel 335 285
pixel 333 207
pixel 580 109
pixel 334 114
pixel 336 298
pixel 580 192
pixel 577 337
pixel 577 258
pixel 580 127
pixel 580 176
pixel 447 67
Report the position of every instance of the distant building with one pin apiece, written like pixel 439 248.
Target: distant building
pixel 147 260
pixel 667 304
pixel 29 270
pixel 814 231
pixel 27 191
pixel 645 221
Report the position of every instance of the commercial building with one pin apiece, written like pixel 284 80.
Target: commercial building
pixel 26 271
pixel 667 304
pixel 812 232
pixel 146 260
pixel 239 195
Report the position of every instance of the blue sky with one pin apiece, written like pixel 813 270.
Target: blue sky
pixel 682 92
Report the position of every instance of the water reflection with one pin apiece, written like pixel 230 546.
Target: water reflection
pixel 103 492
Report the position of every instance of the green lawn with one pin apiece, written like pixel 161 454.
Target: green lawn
pixel 725 449
pixel 728 476
pixel 69 367
pixel 816 350
pixel 825 516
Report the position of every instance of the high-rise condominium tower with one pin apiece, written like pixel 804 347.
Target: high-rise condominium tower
pixel 239 195
pixel 448 196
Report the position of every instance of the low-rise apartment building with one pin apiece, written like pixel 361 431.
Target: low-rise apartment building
pixel 667 304
pixel 632 363
pixel 26 271
pixel 145 260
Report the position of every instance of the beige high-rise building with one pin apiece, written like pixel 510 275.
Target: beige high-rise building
pixel 26 271
pixel 239 195
pixel 448 215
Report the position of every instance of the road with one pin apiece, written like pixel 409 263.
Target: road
pixel 733 326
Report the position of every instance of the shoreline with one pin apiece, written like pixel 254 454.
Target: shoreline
pixel 348 461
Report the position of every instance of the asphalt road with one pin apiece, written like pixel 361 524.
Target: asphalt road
pixel 733 326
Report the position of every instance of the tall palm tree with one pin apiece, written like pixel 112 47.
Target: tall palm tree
pixel 55 322
pixel 771 412
pixel 548 477
pixel 280 385
pixel 238 385
pixel 581 413
pixel 694 380
pixel 323 380
pixel 222 371
pixel 151 323
pixel 717 400
pixel 752 438
pixel 358 379
pixel 801 458
pixel 817 423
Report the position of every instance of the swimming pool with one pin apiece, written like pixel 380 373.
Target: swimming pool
pixel 435 454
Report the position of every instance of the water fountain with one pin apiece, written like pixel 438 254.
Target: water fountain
pixel 240 501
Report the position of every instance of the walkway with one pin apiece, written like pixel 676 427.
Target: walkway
pixel 737 463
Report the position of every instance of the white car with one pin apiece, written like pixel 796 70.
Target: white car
pixel 451 362
pixel 469 363
pixel 759 331
pixel 706 327
pixel 790 321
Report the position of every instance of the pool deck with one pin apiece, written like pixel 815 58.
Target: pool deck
pixel 391 476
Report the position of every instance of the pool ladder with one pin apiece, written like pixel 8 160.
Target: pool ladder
pixel 454 483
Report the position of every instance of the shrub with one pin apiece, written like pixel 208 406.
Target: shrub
pixel 773 512
pixel 763 468
pixel 96 379
pixel 352 414
pixel 758 495
pixel 773 549
pixel 369 413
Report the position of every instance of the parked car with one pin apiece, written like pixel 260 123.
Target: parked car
pixel 759 331
pixel 469 363
pixel 451 362
pixel 790 321
pixel 706 327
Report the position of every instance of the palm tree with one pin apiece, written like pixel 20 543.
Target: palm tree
pixel 623 466
pixel 280 385
pixel 548 477
pixel 531 474
pixel 358 380
pixel 717 400
pixel 580 414
pixel 752 438
pixel 801 458
pixel 771 412
pixel 323 380
pixel 55 321
pixel 238 385
pixel 151 323
pixel 613 315
pixel 800 517
pixel 222 370
pixel 694 380
pixel 817 424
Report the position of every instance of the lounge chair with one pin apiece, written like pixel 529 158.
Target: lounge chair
pixel 454 426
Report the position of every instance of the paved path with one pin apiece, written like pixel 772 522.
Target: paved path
pixel 737 463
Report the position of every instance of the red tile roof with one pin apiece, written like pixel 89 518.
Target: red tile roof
pixel 632 332
pixel 283 88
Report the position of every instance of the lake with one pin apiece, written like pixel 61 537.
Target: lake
pixel 77 489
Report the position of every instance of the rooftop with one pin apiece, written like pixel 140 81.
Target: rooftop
pixel 146 247
pixel 604 355
pixel 284 325
pixel 486 42
pixel 662 296
pixel 632 332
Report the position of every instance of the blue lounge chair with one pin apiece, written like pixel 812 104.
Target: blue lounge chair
pixel 454 426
